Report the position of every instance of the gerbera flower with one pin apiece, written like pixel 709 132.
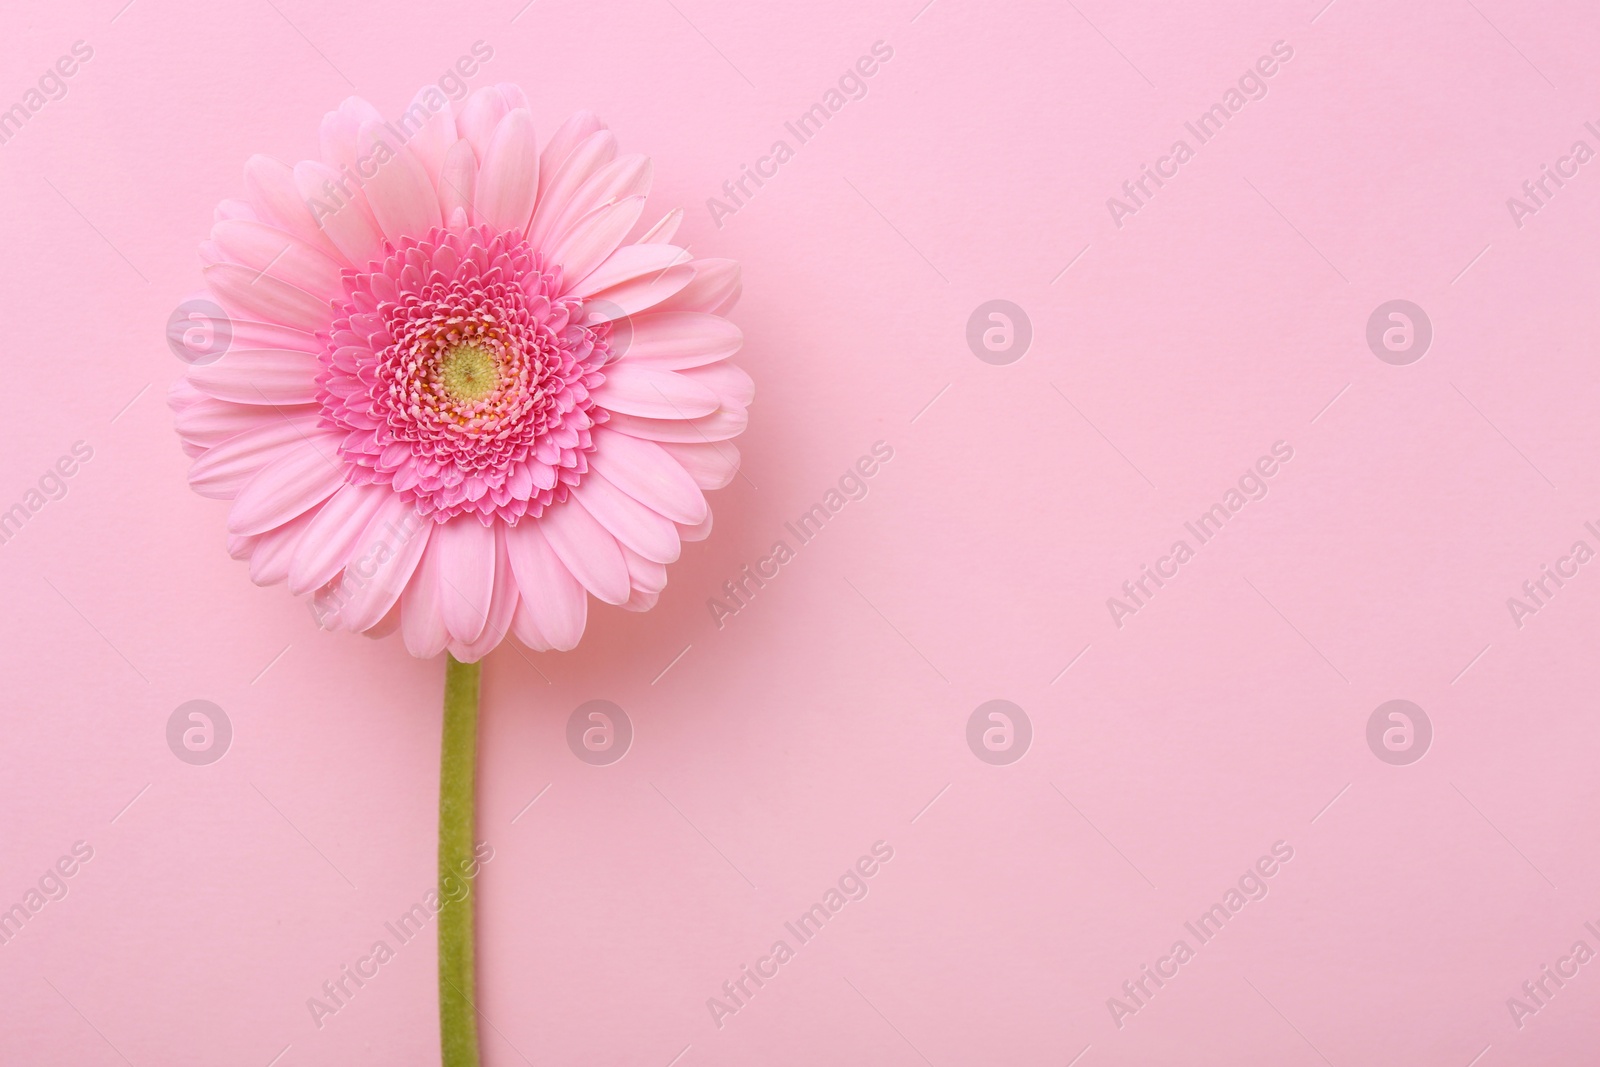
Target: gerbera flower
pixel 458 398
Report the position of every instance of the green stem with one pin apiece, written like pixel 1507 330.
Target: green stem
pixel 458 1020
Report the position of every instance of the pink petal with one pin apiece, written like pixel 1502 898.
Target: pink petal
pixel 274 549
pixel 626 264
pixel 712 466
pixel 346 220
pixel 553 601
pixel 431 132
pixel 477 118
pixel 724 424
pixel 567 137
pixel 402 197
pixel 637 295
pixel 249 294
pixel 648 473
pixel 292 484
pixel 335 536
pixel 558 183
pixel 206 422
pixel 223 470
pixel 630 522
pixel 587 550
pixel 653 394
pixel 698 532
pixel 715 288
pixel 675 340
pixel 663 231
pixel 422 605
pixel 390 548
pixel 257 376
pixel 466 551
pixel 617 180
pixel 594 237
pixel 458 180
pixel 280 255
pixel 269 186
pixel 735 388
pixel 509 180
pixel 503 603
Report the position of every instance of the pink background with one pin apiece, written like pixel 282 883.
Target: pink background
pixel 827 714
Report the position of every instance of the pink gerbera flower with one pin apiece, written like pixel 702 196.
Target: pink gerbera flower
pixel 456 397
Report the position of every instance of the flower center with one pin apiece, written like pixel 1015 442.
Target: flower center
pixel 468 372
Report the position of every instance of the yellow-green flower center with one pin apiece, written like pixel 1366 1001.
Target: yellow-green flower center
pixel 469 372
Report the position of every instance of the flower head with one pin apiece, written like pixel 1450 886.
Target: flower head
pixel 458 396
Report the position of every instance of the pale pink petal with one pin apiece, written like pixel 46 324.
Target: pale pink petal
pixel 712 466
pixel 621 178
pixel 401 196
pixel 340 129
pixel 633 389
pixel 269 250
pixel 715 288
pixel 269 186
pixel 207 422
pixel 561 145
pixel 341 212
pixel 335 536
pixel 509 179
pixel 466 551
pixel 675 340
pixel 422 604
pixel 289 486
pixel 647 472
pixel 225 468
pixel 724 424
pixel 384 562
pixel 503 603
pixel 558 183
pixel 735 388
pixel 698 532
pixel 275 549
pixel 630 522
pixel 626 264
pixel 430 125
pixel 636 295
pixel 257 376
pixel 595 236
pixel 663 231
pixel 457 182
pixel 477 118
pixel 552 599
pixel 587 550
pixel 249 294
